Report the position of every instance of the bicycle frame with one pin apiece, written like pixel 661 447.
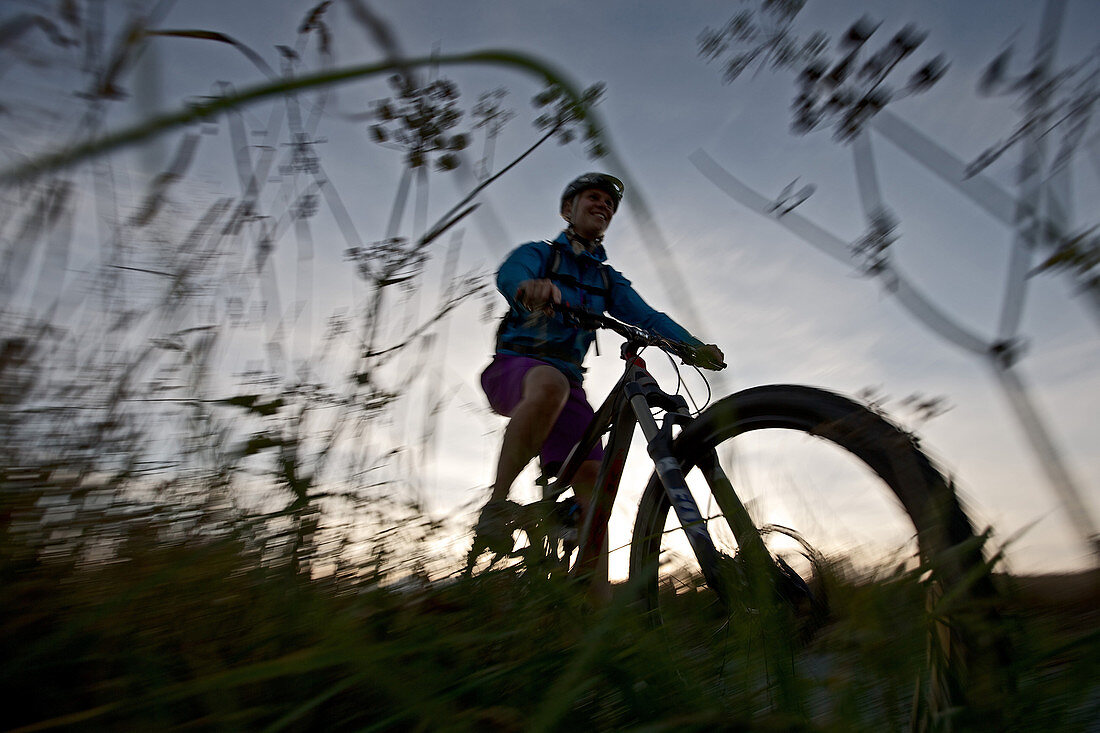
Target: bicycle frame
pixel 750 578
pixel 629 404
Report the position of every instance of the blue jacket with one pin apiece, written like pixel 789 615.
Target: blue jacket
pixel 556 343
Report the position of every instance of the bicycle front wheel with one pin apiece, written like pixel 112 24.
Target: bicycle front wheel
pixel 926 610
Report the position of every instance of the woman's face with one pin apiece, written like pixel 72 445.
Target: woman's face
pixel 589 212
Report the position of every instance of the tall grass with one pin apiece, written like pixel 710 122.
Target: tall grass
pixel 128 380
pixel 206 631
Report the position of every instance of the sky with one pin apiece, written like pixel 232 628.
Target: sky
pixel 782 310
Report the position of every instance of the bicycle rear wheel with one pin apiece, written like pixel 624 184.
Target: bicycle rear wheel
pixel 957 646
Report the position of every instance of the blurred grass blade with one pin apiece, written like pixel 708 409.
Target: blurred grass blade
pixel 251 55
pixel 294 715
pixel 202 111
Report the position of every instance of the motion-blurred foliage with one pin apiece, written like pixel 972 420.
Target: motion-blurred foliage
pixel 130 299
pixel 200 630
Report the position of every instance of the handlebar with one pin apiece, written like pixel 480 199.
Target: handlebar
pixel 635 336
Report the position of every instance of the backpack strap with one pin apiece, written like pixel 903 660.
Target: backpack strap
pixel 553 272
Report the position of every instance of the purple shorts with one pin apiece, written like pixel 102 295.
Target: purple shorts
pixel 502 381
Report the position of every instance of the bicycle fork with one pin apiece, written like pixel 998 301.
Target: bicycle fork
pixel 659 445
pixel 643 396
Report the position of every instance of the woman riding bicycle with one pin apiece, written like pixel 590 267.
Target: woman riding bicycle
pixel 536 377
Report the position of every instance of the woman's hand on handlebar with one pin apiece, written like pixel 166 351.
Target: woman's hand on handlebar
pixel 541 294
pixel 710 357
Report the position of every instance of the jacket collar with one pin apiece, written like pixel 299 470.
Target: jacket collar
pixel 597 253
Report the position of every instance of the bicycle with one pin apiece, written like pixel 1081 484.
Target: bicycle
pixel 747 578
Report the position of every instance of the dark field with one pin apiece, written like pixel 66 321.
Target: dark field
pixel 203 634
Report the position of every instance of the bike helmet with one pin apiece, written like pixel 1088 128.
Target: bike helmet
pixel 608 184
